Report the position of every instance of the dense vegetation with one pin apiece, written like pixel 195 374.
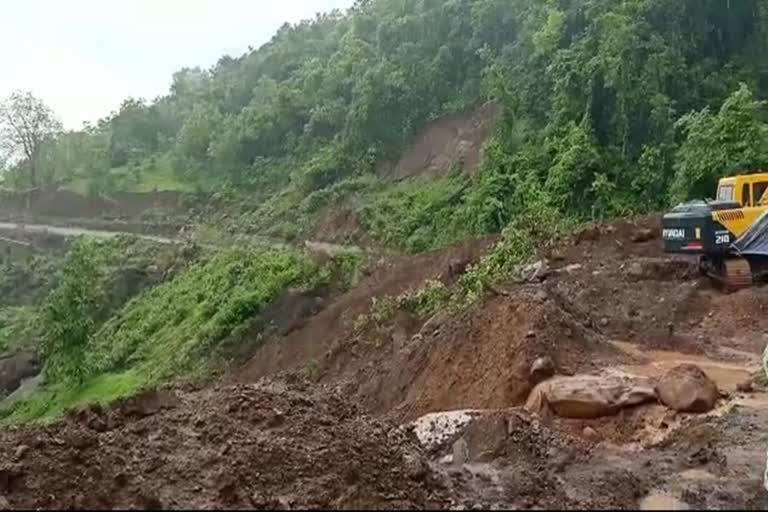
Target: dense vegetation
pixel 97 350
pixel 608 107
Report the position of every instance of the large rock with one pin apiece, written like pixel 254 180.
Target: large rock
pixel 590 396
pixel 687 388
pixel 533 272
pixel 14 368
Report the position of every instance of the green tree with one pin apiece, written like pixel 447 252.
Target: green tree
pixel 72 312
pixel 26 125
pixel 732 140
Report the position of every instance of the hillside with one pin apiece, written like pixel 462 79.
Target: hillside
pixel 403 256
pixel 601 108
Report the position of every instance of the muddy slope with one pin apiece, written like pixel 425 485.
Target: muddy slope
pixel 343 439
pixel 610 282
pixel 451 140
pixel 392 276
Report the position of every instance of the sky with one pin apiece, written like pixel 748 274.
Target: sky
pixel 83 57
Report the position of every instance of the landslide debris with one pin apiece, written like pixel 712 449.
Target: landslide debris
pixel 275 444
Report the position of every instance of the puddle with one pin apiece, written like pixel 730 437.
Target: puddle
pixel 727 376
pixel 661 501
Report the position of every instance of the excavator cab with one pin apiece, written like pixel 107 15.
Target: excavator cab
pixel 748 190
pixel 716 230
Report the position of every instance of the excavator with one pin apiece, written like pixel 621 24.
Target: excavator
pixel 729 234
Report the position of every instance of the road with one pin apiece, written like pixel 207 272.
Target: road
pixel 73 231
pixel 45 229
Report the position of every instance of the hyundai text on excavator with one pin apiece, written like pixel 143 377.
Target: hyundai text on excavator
pixel 729 234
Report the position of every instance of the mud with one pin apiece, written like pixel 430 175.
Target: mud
pixel 272 445
pixel 445 143
pixel 612 300
pixel 327 414
pixel 335 323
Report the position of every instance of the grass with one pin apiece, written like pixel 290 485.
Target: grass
pixel 50 402
pixel 171 330
pixel 418 214
pixel 155 176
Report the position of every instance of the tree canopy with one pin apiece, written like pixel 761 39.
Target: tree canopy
pixel 26 125
pixel 608 107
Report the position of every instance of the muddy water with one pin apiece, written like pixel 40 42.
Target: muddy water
pixel 727 375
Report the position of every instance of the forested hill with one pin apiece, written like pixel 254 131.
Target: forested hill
pixel 608 107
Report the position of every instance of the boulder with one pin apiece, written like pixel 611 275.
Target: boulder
pixel 14 368
pixel 590 396
pixel 532 273
pixel 590 434
pixel 687 388
pixel 541 369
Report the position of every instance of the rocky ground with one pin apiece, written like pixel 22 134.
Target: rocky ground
pixel 613 378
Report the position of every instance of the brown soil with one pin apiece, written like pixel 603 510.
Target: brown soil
pixel 478 358
pixel 388 277
pixel 271 445
pixel 444 143
pixel 338 224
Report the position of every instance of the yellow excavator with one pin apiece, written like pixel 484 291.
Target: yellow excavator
pixel 729 234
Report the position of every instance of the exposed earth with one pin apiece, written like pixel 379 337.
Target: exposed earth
pixel 445 410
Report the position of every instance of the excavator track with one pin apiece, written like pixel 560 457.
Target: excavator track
pixel 734 274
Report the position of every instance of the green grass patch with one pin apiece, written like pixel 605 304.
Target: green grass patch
pixel 52 401
pixel 171 330
pixel 155 174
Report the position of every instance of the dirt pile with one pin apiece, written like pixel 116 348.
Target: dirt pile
pixel 631 291
pixel 335 323
pixel 271 445
pixel 511 460
pixel 476 358
pixel 601 283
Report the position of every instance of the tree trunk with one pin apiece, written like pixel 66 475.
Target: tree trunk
pixel 32 172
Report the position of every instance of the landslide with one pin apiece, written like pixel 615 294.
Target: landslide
pixel 608 282
pixel 273 445
pixel 387 277
pixel 287 441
